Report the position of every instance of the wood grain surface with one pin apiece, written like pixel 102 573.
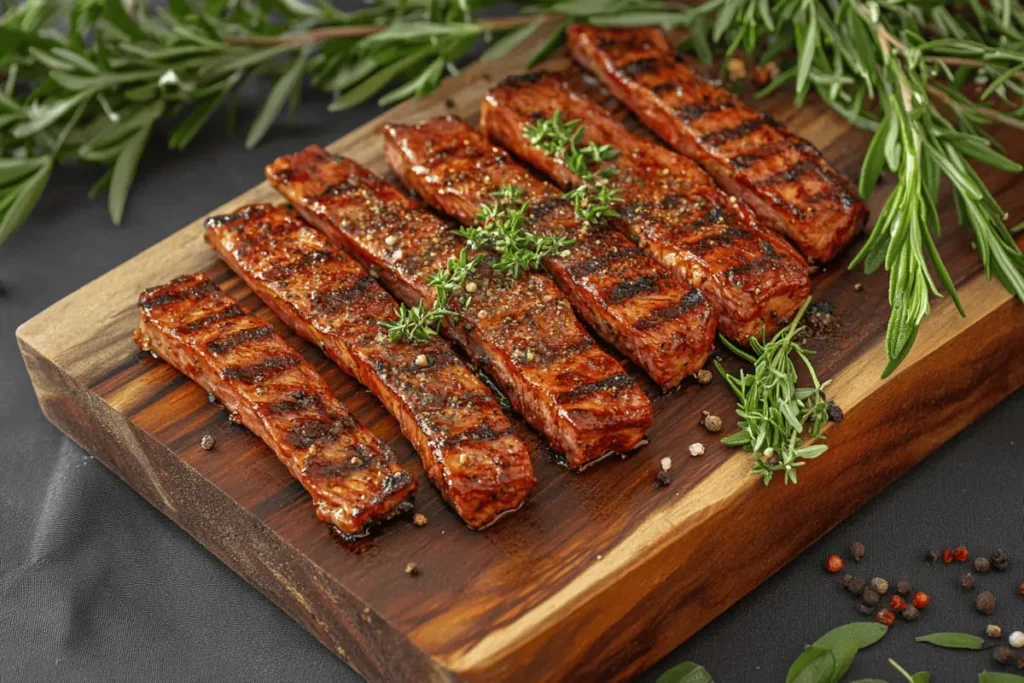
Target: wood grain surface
pixel 601 573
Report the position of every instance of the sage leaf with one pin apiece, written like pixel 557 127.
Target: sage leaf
pixel 687 672
pixel 842 656
pixel 815 665
pixel 996 677
pixel 955 641
pixel 283 87
pixel 863 633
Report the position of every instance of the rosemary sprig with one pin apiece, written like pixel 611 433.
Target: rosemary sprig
pixel 774 412
pixel 592 199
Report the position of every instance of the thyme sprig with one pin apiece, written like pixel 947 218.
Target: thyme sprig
pixel 419 323
pixel 592 199
pixel 774 411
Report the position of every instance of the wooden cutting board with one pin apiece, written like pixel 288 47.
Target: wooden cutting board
pixel 601 573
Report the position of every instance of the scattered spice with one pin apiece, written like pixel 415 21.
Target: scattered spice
pixel 422 361
pixel 960 554
pixel 910 613
pixel 419 519
pixel 857 551
pixel 696 449
pixel 704 376
pixel 854 585
pixel 967 581
pixel 993 631
pixel 207 442
pixel 947 555
pixel 663 478
pixel 1016 639
pixel 858 287
pixel 1020 664
pixel 450 103
pixel 1020 588
pixel 712 423
pixel 932 556
pixel 885 617
pixel 835 413
pixel 1003 655
pixel 211 398
pixel 898 604
pixel 985 603
pixel 1000 560
pixel 411 569
pixel 234 418
pixel 870 597
pixel 834 563
pixel 982 565
pixel 736 69
pixel 879 585
pixel 666 464
pixel 921 599
pixel 903 586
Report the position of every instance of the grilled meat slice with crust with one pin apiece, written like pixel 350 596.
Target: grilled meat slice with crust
pixel 521 331
pixel 266 385
pixel 468 449
pixel 753 278
pixel 660 322
pixel 782 176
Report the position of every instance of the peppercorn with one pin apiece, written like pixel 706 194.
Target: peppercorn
pixel 1003 655
pixel 960 554
pixel 932 556
pixel 865 609
pixel 1000 560
pixel 834 412
pixel 1020 664
pixel 993 631
pixel 411 569
pixel 885 617
pixel 903 586
pixel 712 423
pixel 663 478
pixel 921 600
pixel 704 376
pixel 1016 639
pixel 419 519
pixel 985 603
pixel 834 563
pixel 879 585
pixel 982 565
pixel 967 581
pixel 897 604
pixel 857 551
pixel 870 597
pixel 947 555
pixel 910 613
pixel 207 442
pixel 1020 588
pixel 854 585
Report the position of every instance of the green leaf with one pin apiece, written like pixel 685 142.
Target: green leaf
pixel 993 677
pixel 48 114
pixel 115 12
pixel 807 49
pixel 956 641
pixel 283 87
pixel 815 665
pixel 13 170
pixel 418 30
pixel 125 166
pixel 26 196
pixel 426 81
pixel 552 44
pixel 687 672
pixel 874 159
pixel 507 42
pixel 372 85
pixel 190 126
pixel 862 633
pixel 869 680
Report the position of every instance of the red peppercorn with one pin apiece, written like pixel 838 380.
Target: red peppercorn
pixel 897 604
pixel 886 617
pixel 1020 588
pixel 834 564
pixel 947 555
pixel 921 599
pixel 960 554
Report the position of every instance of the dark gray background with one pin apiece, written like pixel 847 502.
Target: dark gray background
pixel 96 585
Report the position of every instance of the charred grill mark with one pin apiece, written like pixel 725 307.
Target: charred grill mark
pixel 541 209
pixel 719 138
pixel 301 401
pixel 199 290
pixel 743 161
pixel 713 216
pixel 262 371
pixel 619 381
pixel 600 263
pixel 230 341
pixel 355 456
pixel 481 432
pixel 319 431
pixel 241 215
pixel 232 311
pixel 660 316
pixel 335 300
pixel 627 289
pixel 299 265
pixel 688 113
pixel 551 354
pixel 667 86
pixel 640 67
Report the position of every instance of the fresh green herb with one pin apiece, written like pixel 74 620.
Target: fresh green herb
pixel 955 641
pixel 420 323
pixel 499 226
pixel 773 410
pixel 592 199
pixel 995 677
pixel 919 677
pixel 687 672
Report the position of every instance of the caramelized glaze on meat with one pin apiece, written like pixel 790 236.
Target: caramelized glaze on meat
pixel 352 477
pixel 782 176
pixel 468 449
pixel 521 331
pixel 660 322
pixel 754 278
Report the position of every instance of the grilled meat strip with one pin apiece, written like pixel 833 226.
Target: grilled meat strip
pixel 522 331
pixel 266 385
pixel 661 323
pixel 782 176
pixel 468 449
pixel 754 279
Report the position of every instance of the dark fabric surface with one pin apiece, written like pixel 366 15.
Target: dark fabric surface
pixel 95 585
